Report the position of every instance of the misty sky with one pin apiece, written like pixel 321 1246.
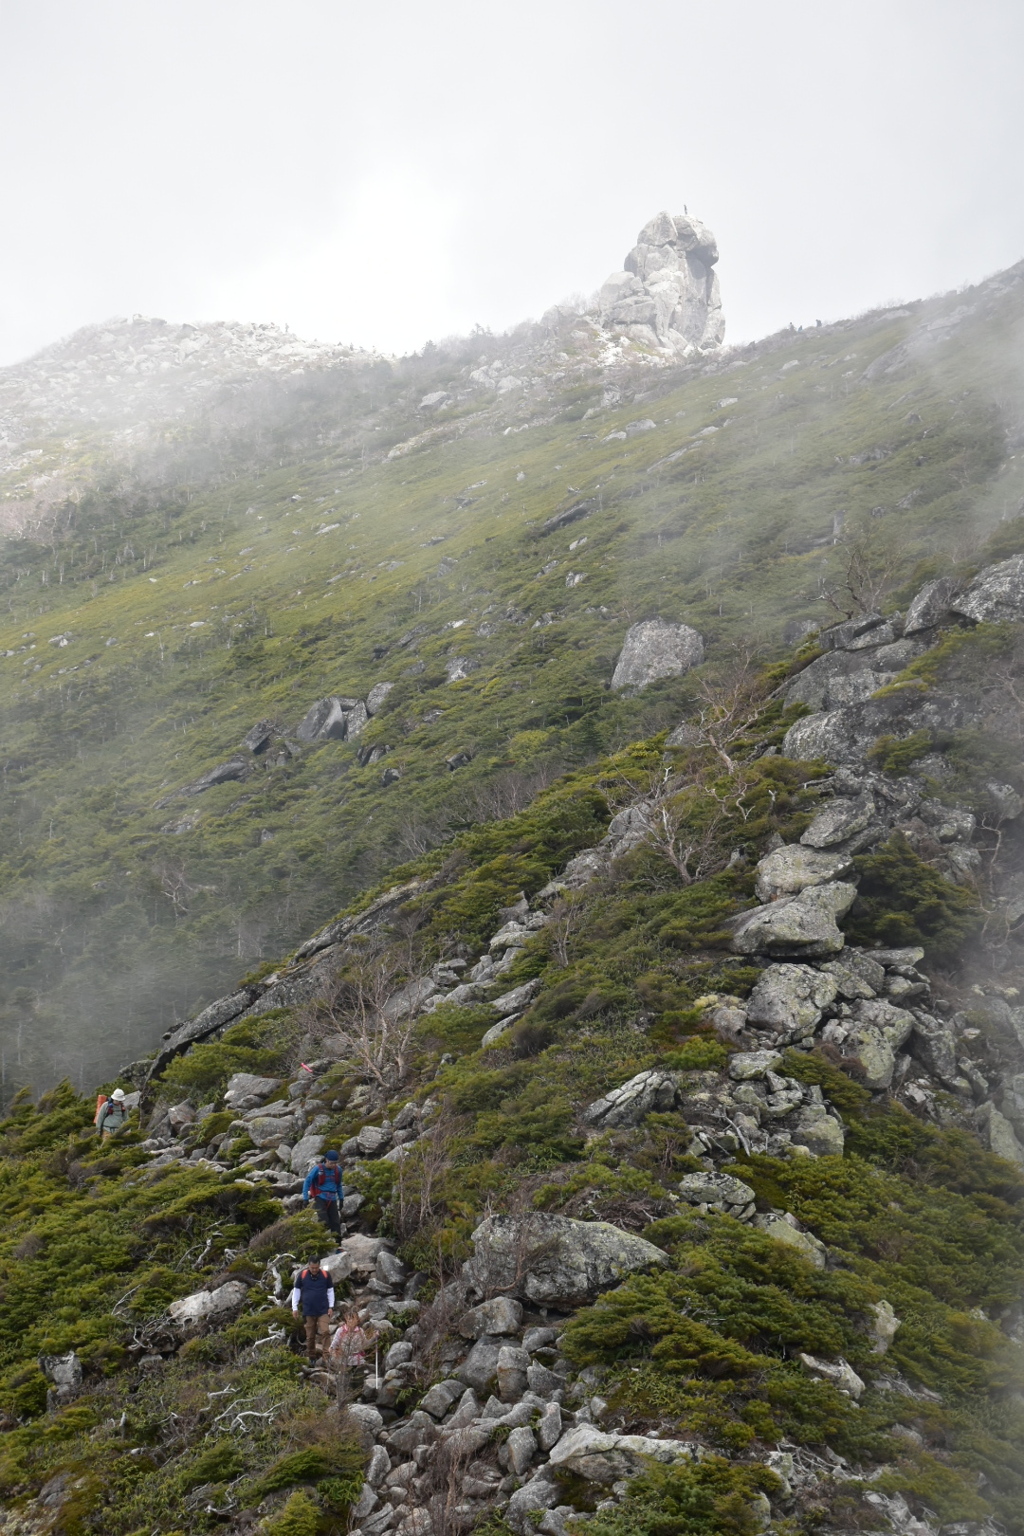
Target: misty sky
pixel 384 174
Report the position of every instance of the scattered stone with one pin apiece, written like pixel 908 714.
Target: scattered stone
pixel 785 1231
pixel 191 1312
pixel 64 1373
pixel 932 605
pixel 854 974
pixel 517 999
pixel 653 649
pixel 245 1085
pixel 305 1152
pixel 256 739
pixel 839 821
pixel 480 1367
pixel 999 1134
pixel 715 1189
pixel 878 1032
pixel 512 1367
pixel 883 1329
pixel 843 1375
pixel 326 719
pixel 819 1131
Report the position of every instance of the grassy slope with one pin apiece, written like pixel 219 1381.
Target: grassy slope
pixel 912 1214
pixel 223 609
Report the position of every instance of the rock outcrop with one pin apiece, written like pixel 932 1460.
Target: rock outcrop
pixel 555 1261
pixel 667 297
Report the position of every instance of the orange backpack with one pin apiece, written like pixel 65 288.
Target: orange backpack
pixel 101 1099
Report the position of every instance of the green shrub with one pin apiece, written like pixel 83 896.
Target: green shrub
pixel 903 901
pixel 702 1054
pixel 713 1497
pixel 299 1517
pixel 896 754
pixel 219 1463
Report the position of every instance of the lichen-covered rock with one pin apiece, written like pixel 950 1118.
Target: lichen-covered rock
pixel 840 1373
pixel 271 1130
pixel 819 1131
pixel 999 1134
pixel 605 1458
pixel 931 605
pixel 789 870
pixel 803 925
pixel 193 1311
pixel 839 821
pixel 790 999
pixel 884 1327
pixel 854 974
pixel 502 1314
pixel 748 1065
pixel 996 595
pixel 715 1189
pixel 784 1230
pixel 245 1085
pixel 647 1093
pixel 554 1261
pixel 878 1032
pixel 656 648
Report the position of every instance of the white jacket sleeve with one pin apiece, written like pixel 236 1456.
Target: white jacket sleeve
pixel 330 1295
pixel 296 1298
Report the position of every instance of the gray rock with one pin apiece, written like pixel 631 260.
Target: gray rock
pixel 854 974
pixel 389 1269
pixel 605 1458
pixel 656 648
pixel 64 1373
pixel 555 1260
pixel 518 998
pixel 647 1093
pixel 500 1315
pixel 999 1135
pixel 668 296
pixel 819 1131
pixel 376 696
pixel 996 595
pixel 355 721
pixel 803 925
pixel 521 1449
pixel 542 1381
pixel 257 737
pixel 270 1130
pixel 784 1230
pixel 787 871
pixel 512 1367
pixel 839 821
pixel 933 1044
pixel 362 1252
pixel 305 1152
pixel 539 1338
pixel 410 998
pixel 549 1430
pixel 541 1493
pixel 245 1085
pixel 853 634
pixel 715 1189
pixel 378 1467
pixel 224 773
pixel 439 1399
pixel 840 1373
pixel 884 1328
pixel 480 1368
pixel 931 606
pixel 847 735
pixel 493 1035
pixel 747 1065
pixel 878 1032
pixel 419 1429
pixel 191 1312
pixel 326 719
pixel 790 999
pixel 181 1115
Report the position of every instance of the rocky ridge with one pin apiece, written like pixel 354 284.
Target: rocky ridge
pixel 507 1417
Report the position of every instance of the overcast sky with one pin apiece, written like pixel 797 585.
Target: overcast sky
pixel 392 172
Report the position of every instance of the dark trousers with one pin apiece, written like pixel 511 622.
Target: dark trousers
pixel 327 1210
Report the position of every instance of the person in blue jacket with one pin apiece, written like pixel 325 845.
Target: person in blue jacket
pixel 314 1291
pixel 323 1186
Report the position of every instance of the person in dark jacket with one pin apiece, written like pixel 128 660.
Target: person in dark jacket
pixel 314 1292
pixel 323 1186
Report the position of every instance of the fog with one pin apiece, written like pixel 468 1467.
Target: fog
pixel 386 175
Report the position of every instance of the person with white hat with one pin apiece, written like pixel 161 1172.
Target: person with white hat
pixel 112 1115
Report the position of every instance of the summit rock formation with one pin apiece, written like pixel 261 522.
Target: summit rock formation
pixel 667 294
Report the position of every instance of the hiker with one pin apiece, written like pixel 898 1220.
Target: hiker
pixel 314 1289
pixel 111 1115
pixel 323 1186
pixel 349 1344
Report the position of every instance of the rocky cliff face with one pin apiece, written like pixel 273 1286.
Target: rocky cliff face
pixel 667 294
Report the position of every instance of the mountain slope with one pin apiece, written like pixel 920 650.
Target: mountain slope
pixel 327 530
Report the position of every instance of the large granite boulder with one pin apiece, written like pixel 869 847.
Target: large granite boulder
pixel 932 605
pixel 216 1306
pixel 996 595
pixel 554 1261
pixel 656 648
pixel 667 297
pixel 847 735
pixel 327 719
pixel 790 999
pixel 803 925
